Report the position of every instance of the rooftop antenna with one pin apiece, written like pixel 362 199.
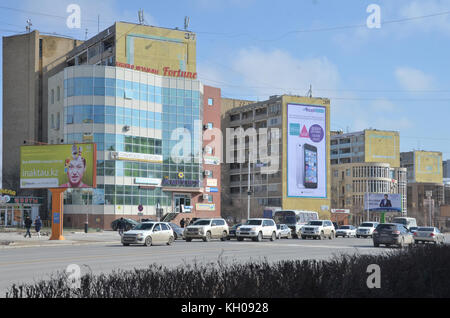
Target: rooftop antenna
pixel 141 16
pixel 309 94
pixel 186 22
pixel 28 27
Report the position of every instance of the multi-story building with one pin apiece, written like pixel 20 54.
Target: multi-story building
pixel 363 162
pixel 269 182
pixel 424 177
pixel 446 168
pixel 133 90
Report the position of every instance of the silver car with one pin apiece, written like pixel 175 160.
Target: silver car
pixel 283 231
pixel 428 234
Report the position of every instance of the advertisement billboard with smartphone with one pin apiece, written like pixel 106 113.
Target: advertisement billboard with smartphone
pixel 306 151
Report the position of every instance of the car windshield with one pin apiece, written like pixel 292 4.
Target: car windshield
pixel 144 226
pixel 202 222
pixel 254 222
pixel 344 227
pixel 367 225
pixel 315 223
pixel 426 229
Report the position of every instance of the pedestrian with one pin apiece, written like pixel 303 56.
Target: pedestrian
pixel 182 223
pixel 28 224
pixel 37 225
pixel 121 226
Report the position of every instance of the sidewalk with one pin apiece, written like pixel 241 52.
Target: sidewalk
pixel 15 238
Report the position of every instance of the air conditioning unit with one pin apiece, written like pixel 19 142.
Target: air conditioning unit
pixel 205 197
pixel 208 173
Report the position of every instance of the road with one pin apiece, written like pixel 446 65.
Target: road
pixel 26 265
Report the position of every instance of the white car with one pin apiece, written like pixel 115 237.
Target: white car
pixel 346 231
pixel 257 229
pixel 207 229
pixel 319 229
pixel 148 234
pixel 366 229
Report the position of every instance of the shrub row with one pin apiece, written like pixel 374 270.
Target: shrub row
pixel 413 272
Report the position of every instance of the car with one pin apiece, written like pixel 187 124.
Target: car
pixel 319 229
pixel 283 231
pixel 412 229
pixel 428 234
pixel 177 231
pixel 129 224
pixel 346 231
pixel 392 234
pixel 257 229
pixel 232 233
pixel 148 234
pixel 366 229
pixel 407 222
pixel 207 229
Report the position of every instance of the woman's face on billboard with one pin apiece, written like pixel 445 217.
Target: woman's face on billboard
pixel 75 172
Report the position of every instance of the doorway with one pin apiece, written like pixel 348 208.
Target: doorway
pixel 181 200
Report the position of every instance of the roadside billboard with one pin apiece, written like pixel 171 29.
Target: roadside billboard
pixel 383 202
pixel 382 146
pixel 58 166
pixel 428 167
pixel 306 151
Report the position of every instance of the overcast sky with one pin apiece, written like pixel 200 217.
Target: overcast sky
pixel 394 77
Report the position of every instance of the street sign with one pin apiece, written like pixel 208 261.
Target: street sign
pixel 140 208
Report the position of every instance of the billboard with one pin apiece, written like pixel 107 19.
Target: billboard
pixel 428 167
pixel 383 202
pixel 306 151
pixel 382 146
pixel 58 166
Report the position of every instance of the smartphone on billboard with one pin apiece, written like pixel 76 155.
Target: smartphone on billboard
pixel 310 166
pixel 300 165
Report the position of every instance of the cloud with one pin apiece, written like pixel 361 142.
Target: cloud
pixel 413 79
pixel 416 8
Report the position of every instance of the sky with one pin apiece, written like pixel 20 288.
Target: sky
pixel 394 77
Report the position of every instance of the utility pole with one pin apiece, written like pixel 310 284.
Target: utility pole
pixel 248 191
pixel 429 194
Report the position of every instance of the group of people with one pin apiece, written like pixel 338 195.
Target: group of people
pixel 186 222
pixel 37 226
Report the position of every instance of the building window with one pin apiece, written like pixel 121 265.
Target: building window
pixel 210 125
pixel 210 102
pixel 52 96
pixel 52 121
pixel 58 121
pixel 58 93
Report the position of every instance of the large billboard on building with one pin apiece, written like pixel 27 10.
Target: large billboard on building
pixel 58 166
pixel 383 202
pixel 306 151
pixel 382 146
pixel 161 51
pixel 428 167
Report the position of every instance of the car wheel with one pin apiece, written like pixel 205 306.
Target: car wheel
pixel 289 235
pixel 175 236
pixel 207 237
pixel 240 239
pixel 125 244
pixel 303 237
pixel 322 236
pixel 148 241
pixel 376 244
pixel 260 237
pixel 171 239
pixel 331 235
pixel 402 243
pixel 224 236
pixel 279 236
pixel 273 237
pixel 188 239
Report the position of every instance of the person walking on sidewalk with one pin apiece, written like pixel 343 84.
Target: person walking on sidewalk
pixel 38 225
pixel 182 223
pixel 28 224
pixel 121 226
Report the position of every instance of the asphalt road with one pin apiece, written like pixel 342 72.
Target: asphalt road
pixel 27 265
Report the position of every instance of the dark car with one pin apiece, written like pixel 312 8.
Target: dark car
pixel 232 233
pixel 177 231
pixel 392 234
pixel 129 224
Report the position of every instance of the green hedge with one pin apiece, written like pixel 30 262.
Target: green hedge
pixel 414 272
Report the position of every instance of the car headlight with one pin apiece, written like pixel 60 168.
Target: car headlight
pixel 140 235
pixel 202 230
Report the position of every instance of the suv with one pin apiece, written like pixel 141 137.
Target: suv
pixel 207 229
pixel 257 229
pixel 366 229
pixel 319 229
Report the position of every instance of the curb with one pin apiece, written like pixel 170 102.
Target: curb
pixel 76 243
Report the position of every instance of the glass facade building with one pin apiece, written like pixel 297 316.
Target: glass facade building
pixel 128 111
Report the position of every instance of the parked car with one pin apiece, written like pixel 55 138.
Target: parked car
pixel 177 231
pixel 366 229
pixel 207 229
pixel 319 229
pixel 149 233
pixel 257 230
pixel 129 224
pixel 346 231
pixel 232 233
pixel 392 234
pixel 283 231
pixel 428 234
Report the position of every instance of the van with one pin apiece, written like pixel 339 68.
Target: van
pixel 407 222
